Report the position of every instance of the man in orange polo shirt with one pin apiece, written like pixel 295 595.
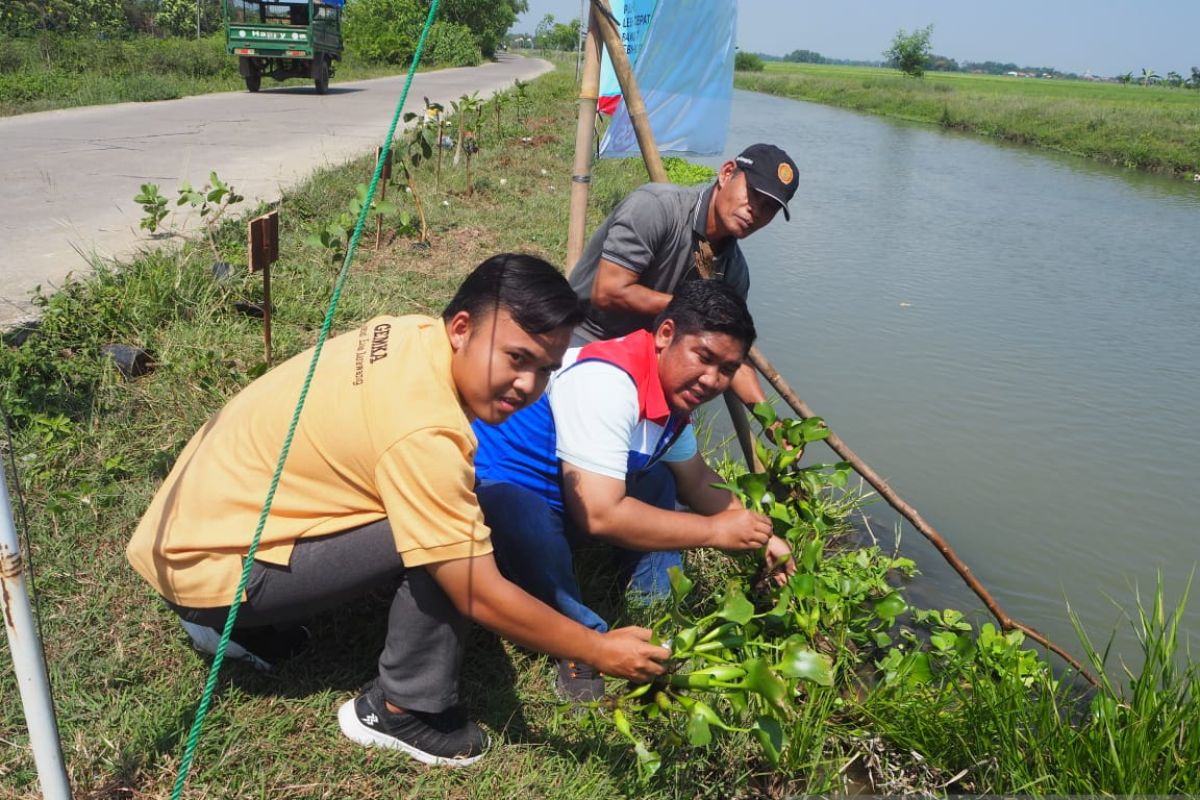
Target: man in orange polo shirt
pixel 378 487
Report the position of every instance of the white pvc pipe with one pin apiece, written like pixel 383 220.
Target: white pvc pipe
pixel 28 663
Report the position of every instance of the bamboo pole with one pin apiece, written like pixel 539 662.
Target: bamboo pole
pixel 836 444
pixel 581 173
pixel 650 154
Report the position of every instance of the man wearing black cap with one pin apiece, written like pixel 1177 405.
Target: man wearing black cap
pixel 662 234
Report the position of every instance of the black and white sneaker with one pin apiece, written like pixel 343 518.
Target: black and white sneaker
pixel 445 739
pixel 262 648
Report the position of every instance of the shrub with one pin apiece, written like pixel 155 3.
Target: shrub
pixel 747 62
pixel 451 45
pixel 382 30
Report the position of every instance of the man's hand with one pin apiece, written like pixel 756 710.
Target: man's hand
pixel 739 529
pixel 780 564
pixel 627 653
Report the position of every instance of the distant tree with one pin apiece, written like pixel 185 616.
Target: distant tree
pixel 1149 76
pixel 909 52
pixel 1195 79
pixel 938 63
pixel 541 34
pixel 747 62
pixel 488 20
pixel 804 57
pixel 1174 79
pixel 387 30
pixel 26 17
pixel 179 18
pixel 1126 79
pixel 382 30
pixel 565 37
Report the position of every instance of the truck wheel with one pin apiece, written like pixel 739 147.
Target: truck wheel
pixel 253 82
pixel 321 75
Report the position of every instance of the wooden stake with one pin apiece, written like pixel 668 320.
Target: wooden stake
pixel 438 182
pixel 263 251
pixel 383 184
pixel 581 173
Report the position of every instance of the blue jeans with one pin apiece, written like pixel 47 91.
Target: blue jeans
pixel 533 544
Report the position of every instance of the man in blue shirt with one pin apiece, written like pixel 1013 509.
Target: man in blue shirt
pixel 579 463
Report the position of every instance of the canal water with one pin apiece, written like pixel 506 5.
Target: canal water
pixel 1011 338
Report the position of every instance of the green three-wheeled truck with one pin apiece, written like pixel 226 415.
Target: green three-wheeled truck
pixel 284 39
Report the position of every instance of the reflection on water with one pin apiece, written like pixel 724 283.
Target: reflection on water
pixel 1011 338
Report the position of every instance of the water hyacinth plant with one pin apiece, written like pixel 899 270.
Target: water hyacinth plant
pixel 834 673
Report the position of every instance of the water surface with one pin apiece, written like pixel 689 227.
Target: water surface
pixel 1010 337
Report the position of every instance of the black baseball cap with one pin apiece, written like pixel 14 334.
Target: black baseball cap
pixel 770 171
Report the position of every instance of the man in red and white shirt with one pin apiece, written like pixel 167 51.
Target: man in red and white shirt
pixel 587 460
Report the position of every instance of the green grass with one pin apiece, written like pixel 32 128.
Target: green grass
pixel 1138 734
pixel 92 449
pixel 1155 128
pixel 49 72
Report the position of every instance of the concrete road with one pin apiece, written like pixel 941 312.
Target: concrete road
pixel 70 176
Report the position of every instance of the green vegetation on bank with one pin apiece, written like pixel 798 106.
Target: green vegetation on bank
pixel 841 678
pixel 50 71
pixel 1154 128
pixel 64 53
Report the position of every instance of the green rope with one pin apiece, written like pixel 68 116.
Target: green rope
pixel 219 657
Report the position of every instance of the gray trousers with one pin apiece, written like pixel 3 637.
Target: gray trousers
pixel 423 653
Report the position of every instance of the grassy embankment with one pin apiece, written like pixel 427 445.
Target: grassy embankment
pixel 1155 128
pixel 92 449
pixel 39 74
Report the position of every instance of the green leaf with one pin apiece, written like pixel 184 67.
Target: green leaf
pixel 754 484
pixel 683 641
pixel 764 413
pixel 801 661
pixel 761 679
pixel 648 761
pixel 698 732
pixel 944 641
pixel 680 584
pixel 621 722
pixel 810 556
pixel 736 607
pixel 814 429
pixel 769 733
pixel 782 604
pixel 890 607
pixel 793 432
pixel 918 668
pixel 802 584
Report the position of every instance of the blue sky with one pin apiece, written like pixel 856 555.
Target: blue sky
pixel 1107 37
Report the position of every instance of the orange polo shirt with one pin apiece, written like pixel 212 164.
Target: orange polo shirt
pixel 383 434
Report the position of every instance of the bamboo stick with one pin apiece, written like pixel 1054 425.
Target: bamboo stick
pixel 581 173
